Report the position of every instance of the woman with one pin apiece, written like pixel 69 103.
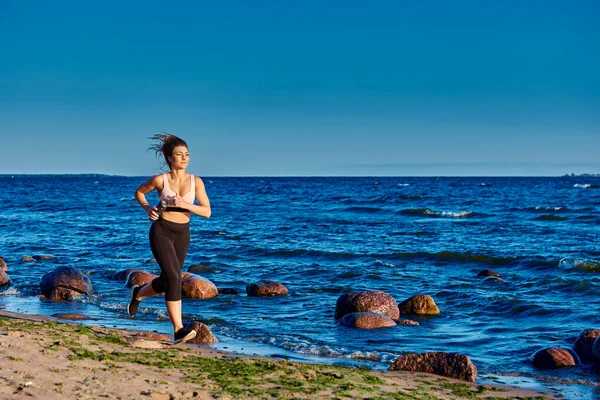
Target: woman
pixel 170 231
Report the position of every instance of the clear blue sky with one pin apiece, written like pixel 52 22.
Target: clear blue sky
pixel 302 88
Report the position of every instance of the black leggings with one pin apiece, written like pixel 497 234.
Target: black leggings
pixel 169 242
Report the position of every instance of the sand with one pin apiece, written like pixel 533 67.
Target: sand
pixel 43 358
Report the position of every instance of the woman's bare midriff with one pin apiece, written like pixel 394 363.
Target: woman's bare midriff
pixel 176 216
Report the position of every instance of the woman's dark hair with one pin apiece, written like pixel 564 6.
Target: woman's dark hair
pixel 166 144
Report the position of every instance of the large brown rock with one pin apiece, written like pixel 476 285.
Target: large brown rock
pixel 266 288
pixel 452 365
pixel 366 320
pixel 596 351
pixel 196 287
pixel 4 279
pixel 488 272
pixel 66 283
pixel 203 333
pixel 63 294
pixel 584 344
pixel 3 265
pixel 139 278
pixel 419 304
pixel 555 357
pixel 376 302
pixel 122 275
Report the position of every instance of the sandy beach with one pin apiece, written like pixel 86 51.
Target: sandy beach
pixel 41 357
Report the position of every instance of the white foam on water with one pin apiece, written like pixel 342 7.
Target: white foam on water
pixel 582 185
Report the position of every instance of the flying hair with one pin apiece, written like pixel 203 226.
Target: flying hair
pixel 165 143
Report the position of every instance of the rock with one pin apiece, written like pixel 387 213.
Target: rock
pixel 488 272
pixel 153 336
pixel 3 265
pixel 366 320
pixel 4 279
pixel 197 287
pixel 139 278
pixel 27 258
pixel 71 316
pixel 584 344
pixel 42 257
pixel 187 275
pixel 555 357
pixel 122 275
pixel 376 302
pixel 266 288
pixel 227 291
pixel 419 304
pixel 64 283
pixel 63 294
pixel 150 261
pixel 406 322
pixel 596 351
pixel 489 279
pixel 203 333
pixel 201 268
pixel 451 365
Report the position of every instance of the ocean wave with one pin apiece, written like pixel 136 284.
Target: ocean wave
pixel 585 186
pixel 451 256
pixel 369 210
pixel 427 212
pixel 287 253
pixel 579 264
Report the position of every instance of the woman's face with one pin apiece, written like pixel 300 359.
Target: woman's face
pixel 180 157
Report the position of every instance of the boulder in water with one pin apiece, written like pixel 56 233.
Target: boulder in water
pixel 139 278
pixel 419 305
pixel 555 357
pixel 64 283
pixel 196 287
pixel 4 279
pixel 488 272
pixel 452 365
pixel 366 320
pixel 584 344
pixel 203 333
pixel 122 275
pixel 266 288
pixel 3 264
pixel 376 302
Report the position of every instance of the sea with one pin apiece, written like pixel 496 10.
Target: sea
pixel 323 237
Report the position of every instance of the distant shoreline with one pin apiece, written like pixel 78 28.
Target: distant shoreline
pixel 94 175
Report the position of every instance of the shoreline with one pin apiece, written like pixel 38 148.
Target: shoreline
pixel 45 357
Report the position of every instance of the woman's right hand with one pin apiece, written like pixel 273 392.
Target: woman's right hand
pixel 152 212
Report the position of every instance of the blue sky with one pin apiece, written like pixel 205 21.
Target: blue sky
pixel 302 88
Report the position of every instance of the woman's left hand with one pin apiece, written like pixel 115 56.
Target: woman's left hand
pixel 178 201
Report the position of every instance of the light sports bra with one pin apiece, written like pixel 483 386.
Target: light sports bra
pixel 167 193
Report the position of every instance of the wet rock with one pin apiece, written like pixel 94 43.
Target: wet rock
pixel 488 272
pixel 187 275
pixel 27 258
pixel 555 357
pixel 366 320
pixel 3 264
pixel 64 283
pixel 584 344
pixel 420 305
pixel 266 288
pixel 375 301
pixel 451 365
pixel 139 278
pixel 492 279
pixel 406 322
pixel 197 287
pixel 203 333
pixel 122 275
pixel 42 257
pixel 150 261
pixel 153 336
pixel 201 268
pixel 227 291
pixel 71 316
pixel 4 279
pixel 63 294
pixel 596 351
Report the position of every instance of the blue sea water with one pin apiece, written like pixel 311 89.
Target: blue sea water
pixel 323 237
